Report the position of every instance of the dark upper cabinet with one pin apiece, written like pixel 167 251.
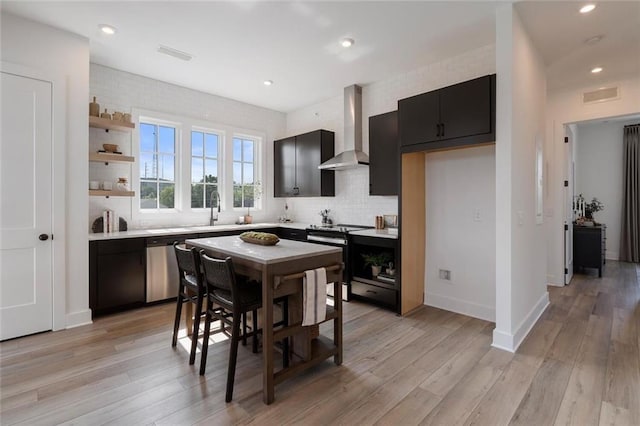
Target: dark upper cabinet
pixel 296 161
pixel 465 109
pixel 284 167
pixel 419 118
pixel 458 115
pixel 384 154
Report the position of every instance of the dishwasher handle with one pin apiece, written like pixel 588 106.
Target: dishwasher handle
pixel 164 241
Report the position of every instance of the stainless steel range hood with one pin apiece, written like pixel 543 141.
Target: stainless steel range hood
pixel 353 156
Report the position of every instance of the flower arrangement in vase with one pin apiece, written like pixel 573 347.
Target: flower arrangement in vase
pixel 586 210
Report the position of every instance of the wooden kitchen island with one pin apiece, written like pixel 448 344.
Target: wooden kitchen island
pixel 280 269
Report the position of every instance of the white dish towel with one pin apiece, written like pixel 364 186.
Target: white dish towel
pixel 314 295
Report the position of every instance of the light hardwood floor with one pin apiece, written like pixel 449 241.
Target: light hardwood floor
pixel 580 365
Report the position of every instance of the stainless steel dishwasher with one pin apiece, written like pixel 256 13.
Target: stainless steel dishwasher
pixel 162 268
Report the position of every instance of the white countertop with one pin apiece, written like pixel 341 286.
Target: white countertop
pixel 381 233
pixel 159 232
pixel 284 251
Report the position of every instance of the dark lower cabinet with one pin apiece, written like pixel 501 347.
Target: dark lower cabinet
pixel 292 234
pixel 451 117
pixel 589 247
pixel 296 160
pixel 384 152
pixel 116 275
pixel 375 293
pixel 383 289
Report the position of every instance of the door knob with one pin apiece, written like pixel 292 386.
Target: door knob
pixel 43 237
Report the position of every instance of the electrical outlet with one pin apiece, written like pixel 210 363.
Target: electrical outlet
pixel 477 217
pixel 445 274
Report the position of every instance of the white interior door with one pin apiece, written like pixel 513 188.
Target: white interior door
pixel 568 209
pixel 26 206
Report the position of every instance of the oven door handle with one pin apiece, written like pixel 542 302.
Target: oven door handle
pixel 329 240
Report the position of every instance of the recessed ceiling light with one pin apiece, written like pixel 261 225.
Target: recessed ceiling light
pixel 593 40
pixel 596 70
pixel 347 42
pixel 268 82
pixel 107 29
pixel 587 8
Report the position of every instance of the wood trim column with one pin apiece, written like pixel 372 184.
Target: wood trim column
pixel 413 228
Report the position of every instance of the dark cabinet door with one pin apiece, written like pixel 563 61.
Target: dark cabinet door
pixel 308 158
pixel 419 119
pixel 383 154
pixel 120 279
pixel 465 109
pixel 588 247
pixel 284 167
pixel 116 274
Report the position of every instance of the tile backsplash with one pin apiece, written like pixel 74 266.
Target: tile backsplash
pixel 351 204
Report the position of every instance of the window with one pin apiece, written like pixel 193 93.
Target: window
pixel 244 184
pixel 185 165
pixel 204 169
pixel 157 166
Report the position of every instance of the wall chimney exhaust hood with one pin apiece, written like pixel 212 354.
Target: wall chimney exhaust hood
pixel 353 156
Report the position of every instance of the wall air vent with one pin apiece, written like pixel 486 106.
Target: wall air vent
pixel 175 53
pixel 601 95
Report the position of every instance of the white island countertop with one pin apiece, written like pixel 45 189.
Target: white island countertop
pixel 175 230
pixel 380 233
pixel 284 251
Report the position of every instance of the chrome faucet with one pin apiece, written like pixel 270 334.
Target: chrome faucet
pixel 212 219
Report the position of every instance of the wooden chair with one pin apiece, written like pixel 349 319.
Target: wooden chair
pixel 236 295
pixel 191 290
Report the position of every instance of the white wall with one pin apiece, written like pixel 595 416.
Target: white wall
pixel 599 173
pixel 566 107
pixel 122 91
pixel 461 230
pixel 458 182
pixel 352 203
pixel 54 51
pixel 521 294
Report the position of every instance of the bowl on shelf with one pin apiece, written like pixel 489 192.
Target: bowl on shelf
pixel 110 147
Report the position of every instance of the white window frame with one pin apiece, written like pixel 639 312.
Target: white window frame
pixel 257 168
pixel 219 159
pixel 157 119
pixel 182 211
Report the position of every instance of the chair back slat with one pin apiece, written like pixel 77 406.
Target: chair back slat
pixel 188 262
pixel 219 275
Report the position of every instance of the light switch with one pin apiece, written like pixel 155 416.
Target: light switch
pixel 520 217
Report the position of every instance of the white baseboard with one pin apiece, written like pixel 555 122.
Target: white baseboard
pixel 76 319
pixel 511 342
pixel 612 255
pixel 502 340
pixel 463 307
pixel 554 281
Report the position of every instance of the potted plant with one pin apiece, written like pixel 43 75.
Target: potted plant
pixel 377 261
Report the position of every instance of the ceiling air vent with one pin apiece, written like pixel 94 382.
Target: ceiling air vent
pixel 175 53
pixel 601 95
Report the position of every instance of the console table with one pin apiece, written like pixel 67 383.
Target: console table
pixel 589 247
